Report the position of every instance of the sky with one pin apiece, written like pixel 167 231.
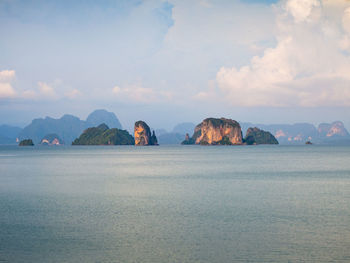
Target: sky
pixel 167 62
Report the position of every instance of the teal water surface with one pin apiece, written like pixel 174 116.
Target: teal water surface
pixel 175 204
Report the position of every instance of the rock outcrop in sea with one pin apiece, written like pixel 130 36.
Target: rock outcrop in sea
pixel 26 142
pixel 257 136
pixel 143 136
pixel 188 140
pixel 213 131
pixel 51 139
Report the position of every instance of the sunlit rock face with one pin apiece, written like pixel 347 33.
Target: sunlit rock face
pixel 214 131
pixel 143 136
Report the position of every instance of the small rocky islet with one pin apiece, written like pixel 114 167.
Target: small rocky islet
pixel 51 139
pixel 26 142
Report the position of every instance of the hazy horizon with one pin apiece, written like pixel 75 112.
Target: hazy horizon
pixel 168 62
pixel 128 124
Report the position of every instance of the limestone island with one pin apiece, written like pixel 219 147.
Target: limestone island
pixel 257 136
pixel 26 142
pixel 143 136
pixel 103 135
pixel 214 131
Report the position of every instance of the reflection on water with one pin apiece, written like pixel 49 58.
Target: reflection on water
pixel 175 204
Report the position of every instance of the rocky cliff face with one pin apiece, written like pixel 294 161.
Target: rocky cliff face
pixel 142 134
pixel 257 136
pixel 214 131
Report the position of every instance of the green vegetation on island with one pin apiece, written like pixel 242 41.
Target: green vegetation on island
pixel 68 127
pixel 26 142
pixel 257 136
pixel 102 135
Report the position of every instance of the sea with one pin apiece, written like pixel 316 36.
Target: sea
pixel 154 204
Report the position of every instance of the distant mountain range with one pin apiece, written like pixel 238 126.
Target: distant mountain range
pixel 299 133
pixel 177 135
pixel 69 127
pixel 8 134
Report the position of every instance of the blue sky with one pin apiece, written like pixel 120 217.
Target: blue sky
pixel 173 61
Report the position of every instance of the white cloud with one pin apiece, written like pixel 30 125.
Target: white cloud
pixel 116 90
pixel 301 10
pixel 346 20
pixel 306 68
pixel 6 89
pixel 47 90
pixel 137 93
pixel 7 75
pixel 206 34
pixel 72 94
pixel 42 91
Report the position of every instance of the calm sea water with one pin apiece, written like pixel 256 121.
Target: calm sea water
pixel 175 204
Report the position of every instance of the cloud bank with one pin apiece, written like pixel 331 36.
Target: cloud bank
pixel 43 90
pixel 6 89
pixel 191 58
pixel 308 67
pixel 138 94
